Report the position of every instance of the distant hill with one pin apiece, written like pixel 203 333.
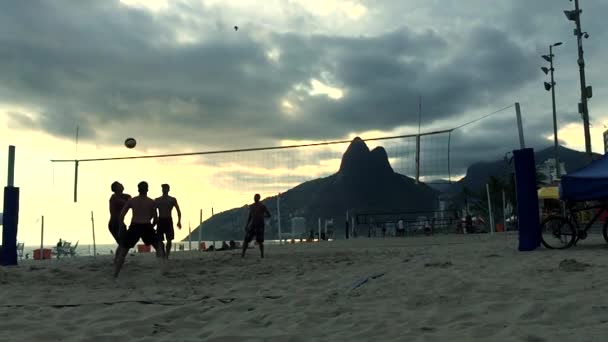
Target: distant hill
pixel 365 182
pixel 478 173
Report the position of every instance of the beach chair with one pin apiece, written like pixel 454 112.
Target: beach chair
pixel 72 250
pixel 64 249
pixel 20 246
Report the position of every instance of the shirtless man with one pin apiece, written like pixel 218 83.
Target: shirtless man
pixel 165 205
pixel 144 211
pixel 255 225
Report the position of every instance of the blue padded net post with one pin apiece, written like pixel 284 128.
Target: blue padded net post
pixel 528 220
pixel 10 218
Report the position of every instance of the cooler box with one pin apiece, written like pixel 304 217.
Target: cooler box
pixel 500 227
pixel 144 249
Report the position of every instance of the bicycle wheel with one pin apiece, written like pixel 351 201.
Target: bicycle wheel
pixel 557 233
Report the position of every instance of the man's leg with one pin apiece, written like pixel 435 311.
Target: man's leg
pixel 159 246
pixel 261 245
pixel 168 249
pixel 245 246
pixel 170 234
pixel 121 253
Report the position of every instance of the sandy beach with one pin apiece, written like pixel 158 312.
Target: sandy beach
pixel 440 288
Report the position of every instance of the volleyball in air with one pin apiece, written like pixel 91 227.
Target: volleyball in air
pixel 130 142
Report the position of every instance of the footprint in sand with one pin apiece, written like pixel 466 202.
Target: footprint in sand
pixel 571 265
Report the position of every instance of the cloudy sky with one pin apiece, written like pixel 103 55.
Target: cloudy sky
pixel 178 77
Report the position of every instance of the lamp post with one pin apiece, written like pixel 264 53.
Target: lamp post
pixel 586 92
pixel 551 87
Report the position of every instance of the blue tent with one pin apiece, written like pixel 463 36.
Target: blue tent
pixel 587 184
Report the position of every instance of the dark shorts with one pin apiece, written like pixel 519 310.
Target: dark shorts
pixel 116 228
pixel 164 228
pixel 255 232
pixel 136 231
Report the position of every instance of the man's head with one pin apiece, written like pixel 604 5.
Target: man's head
pixel 142 188
pixel 256 198
pixel 165 188
pixel 117 187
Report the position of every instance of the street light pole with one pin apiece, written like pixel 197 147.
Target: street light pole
pixel 557 173
pixel 551 86
pixel 586 92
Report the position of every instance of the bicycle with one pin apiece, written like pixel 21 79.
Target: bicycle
pixel 566 230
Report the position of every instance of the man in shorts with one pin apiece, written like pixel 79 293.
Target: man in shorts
pixel 164 228
pixel 255 225
pixel 117 202
pixel 144 211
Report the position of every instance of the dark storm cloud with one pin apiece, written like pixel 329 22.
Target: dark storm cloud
pixel 98 64
pixel 117 71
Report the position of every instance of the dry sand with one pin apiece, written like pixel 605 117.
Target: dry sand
pixel 441 288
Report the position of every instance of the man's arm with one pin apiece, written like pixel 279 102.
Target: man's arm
pixel 155 214
pixel 179 214
pixel 266 212
pixel 248 219
pixel 124 211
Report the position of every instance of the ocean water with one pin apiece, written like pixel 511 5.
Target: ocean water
pixel 107 249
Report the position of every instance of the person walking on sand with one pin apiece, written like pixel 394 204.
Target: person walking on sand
pixel 255 225
pixel 144 211
pixel 164 229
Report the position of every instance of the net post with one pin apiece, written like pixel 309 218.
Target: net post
pixel 491 214
pixel 200 231
pixel 418 159
pixel 449 148
pixel 346 232
pixel 189 236
pixel 319 228
pixel 10 215
pixel 93 228
pixel 75 181
pixel 42 237
pixel 279 216
pixel 520 129
pixel 11 166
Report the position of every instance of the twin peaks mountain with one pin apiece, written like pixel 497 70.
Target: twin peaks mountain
pixel 365 182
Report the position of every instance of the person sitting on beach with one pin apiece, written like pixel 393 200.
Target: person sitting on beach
pixel 144 211
pixel 164 229
pixel 255 225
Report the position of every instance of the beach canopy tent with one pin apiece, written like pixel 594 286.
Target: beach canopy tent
pixel 548 193
pixel 587 184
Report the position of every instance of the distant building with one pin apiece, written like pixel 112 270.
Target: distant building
pixel 547 168
pixel 298 228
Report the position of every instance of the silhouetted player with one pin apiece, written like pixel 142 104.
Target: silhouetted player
pixel 164 228
pixel 117 202
pixel 255 225
pixel 144 211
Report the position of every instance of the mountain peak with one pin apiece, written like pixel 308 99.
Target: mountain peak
pixel 359 161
